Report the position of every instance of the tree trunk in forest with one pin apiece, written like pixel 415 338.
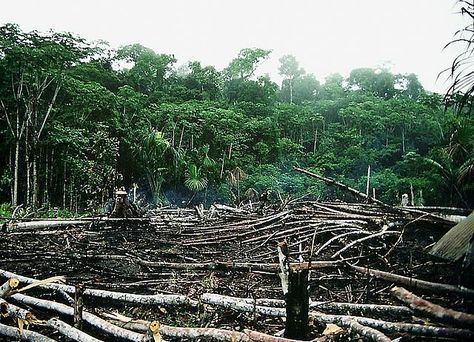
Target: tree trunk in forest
pixel 403 140
pixel 64 184
pixel 28 170
pixel 222 165
pixel 46 177
pixel 15 174
pixel 34 198
pixel 291 91
pixel 368 182
pixel 71 194
pixel 315 142
pixel 181 138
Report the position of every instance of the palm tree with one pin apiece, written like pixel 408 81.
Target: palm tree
pixel 461 71
pixel 194 181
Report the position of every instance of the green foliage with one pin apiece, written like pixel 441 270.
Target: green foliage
pixel 246 63
pixel 213 135
pixel 5 212
pixel 194 181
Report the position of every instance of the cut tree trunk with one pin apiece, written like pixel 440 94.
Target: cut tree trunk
pixel 26 335
pixel 70 332
pixel 7 287
pixel 371 333
pixel 416 283
pixel 157 299
pixel 297 305
pixel 433 310
pixel 91 319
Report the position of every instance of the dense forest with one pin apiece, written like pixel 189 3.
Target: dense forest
pixel 78 120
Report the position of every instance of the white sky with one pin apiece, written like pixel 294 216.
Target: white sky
pixel 324 36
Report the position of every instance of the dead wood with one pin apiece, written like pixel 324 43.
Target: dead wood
pixel 213 333
pixel 353 243
pixel 16 312
pixel 335 307
pixel 342 320
pixel 78 306
pixel 283 255
pixel 70 332
pixel 91 319
pixel 157 299
pixel 342 186
pixel 236 266
pixel 7 287
pixel 197 333
pixel 236 255
pixel 433 310
pixel 371 333
pixel 25 335
pixel 416 283
pixel 36 225
pixel 297 305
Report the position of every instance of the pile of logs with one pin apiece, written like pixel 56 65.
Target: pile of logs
pixel 212 274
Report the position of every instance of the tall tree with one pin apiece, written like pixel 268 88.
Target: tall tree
pixel 290 70
pixel 34 67
pixel 245 64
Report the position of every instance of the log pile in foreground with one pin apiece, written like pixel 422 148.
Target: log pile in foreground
pixel 185 274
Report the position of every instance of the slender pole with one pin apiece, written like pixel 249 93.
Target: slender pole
pixel 368 182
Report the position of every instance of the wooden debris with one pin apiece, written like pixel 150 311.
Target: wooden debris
pixel 246 335
pixel 25 335
pixel 116 296
pixel 172 257
pixel 430 309
pixel 78 306
pixel 15 312
pixel 38 225
pixel 7 287
pixel 371 333
pixel 416 283
pixel 344 320
pixel 342 186
pixel 91 319
pixel 70 332
pixel 297 305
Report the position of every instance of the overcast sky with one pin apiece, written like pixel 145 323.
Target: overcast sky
pixel 325 36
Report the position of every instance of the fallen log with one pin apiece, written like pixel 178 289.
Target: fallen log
pixel 233 210
pixel 7 287
pixel 343 186
pixel 157 299
pixel 16 312
pixel 371 333
pixel 355 242
pixel 70 332
pixel 91 319
pixel 32 225
pixel 196 333
pixel 336 307
pixel 416 283
pixel 433 310
pixel 342 320
pixel 25 335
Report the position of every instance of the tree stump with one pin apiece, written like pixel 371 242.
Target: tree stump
pixel 297 305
